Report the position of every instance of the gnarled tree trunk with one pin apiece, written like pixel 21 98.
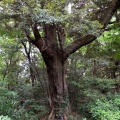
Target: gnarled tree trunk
pixel 55 55
pixel 55 64
pixel 57 87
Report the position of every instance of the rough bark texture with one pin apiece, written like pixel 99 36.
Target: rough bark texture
pixel 55 68
pixel 57 87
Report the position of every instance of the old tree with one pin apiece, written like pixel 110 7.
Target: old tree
pixel 48 24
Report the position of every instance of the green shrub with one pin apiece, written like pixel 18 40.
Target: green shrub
pixel 84 91
pixel 7 100
pixel 106 109
pixel 30 110
pixel 23 114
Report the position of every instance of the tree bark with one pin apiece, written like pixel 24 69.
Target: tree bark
pixel 57 87
pixel 55 64
pixel 113 7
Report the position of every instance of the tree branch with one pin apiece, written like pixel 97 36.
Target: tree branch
pixel 31 40
pixel 27 51
pixel 114 6
pixel 36 32
pixel 78 43
pixel 38 39
pixel 24 45
pixel 61 36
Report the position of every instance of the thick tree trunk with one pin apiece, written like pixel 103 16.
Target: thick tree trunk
pixel 57 91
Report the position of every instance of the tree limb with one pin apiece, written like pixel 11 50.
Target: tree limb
pixel 61 36
pixel 114 6
pixel 78 43
pixel 36 32
pixel 38 39
pixel 27 51
pixel 31 40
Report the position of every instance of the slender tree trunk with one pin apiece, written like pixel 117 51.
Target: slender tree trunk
pixel 113 75
pixel 32 74
pixel 114 69
pixel 31 67
pixel 94 68
pixel 28 55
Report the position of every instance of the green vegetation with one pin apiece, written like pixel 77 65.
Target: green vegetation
pixel 7 100
pixel 60 60
pixel 108 109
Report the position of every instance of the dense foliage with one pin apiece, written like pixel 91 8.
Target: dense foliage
pixel 92 72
